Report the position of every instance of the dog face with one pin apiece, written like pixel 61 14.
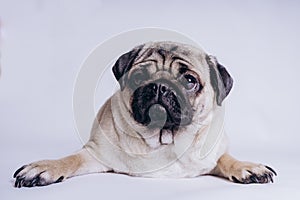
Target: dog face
pixel 168 85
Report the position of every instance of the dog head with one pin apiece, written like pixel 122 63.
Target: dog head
pixel 169 85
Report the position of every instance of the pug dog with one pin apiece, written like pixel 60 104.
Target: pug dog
pixel 157 124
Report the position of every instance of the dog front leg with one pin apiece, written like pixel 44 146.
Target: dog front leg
pixel 46 172
pixel 243 172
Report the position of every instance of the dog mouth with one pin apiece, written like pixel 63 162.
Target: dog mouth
pixel 158 116
pixel 160 110
pixel 159 119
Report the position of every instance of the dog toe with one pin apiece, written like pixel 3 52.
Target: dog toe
pixel 255 174
pixel 37 174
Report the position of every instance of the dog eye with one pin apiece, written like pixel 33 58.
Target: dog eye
pixel 190 82
pixel 138 78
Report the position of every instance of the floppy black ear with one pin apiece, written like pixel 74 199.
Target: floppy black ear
pixel 124 64
pixel 221 80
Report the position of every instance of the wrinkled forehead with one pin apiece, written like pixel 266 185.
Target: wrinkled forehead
pixel 172 56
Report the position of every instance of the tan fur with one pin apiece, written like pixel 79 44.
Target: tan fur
pixel 45 172
pixel 241 172
pixel 119 144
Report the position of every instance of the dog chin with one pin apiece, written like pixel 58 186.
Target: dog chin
pixel 160 137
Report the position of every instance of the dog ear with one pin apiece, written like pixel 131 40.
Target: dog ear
pixel 124 64
pixel 221 80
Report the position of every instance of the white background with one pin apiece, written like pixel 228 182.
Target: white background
pixel 43 44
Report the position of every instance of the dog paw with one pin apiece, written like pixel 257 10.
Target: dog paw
pixel 38 174
pixel 247 173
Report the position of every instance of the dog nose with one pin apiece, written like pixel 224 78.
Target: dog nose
pixel 163 88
